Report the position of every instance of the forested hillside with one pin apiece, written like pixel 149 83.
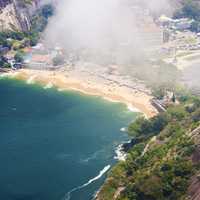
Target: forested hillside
pixel 164 162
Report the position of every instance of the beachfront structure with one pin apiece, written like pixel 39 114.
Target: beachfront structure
pixel 164 20
pixel 37 61
pixel 183 24
pixel 177 24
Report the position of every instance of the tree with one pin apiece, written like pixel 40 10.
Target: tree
pixel 139 127
pixel 195 26
pixel 159 92
pixel 47 11
pixel 40 19
pixel 190 9
pixel 58 60
pixel 196 116
pixel 177 112
pixel 173 98
pixel 19 57
pixel 33 39
pixel 159 122
pixel 7 65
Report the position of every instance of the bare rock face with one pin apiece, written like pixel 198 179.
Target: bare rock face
pixel 4 3
pixel 194 188
pixel 16 14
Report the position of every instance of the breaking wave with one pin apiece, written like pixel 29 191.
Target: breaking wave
pixel 91 157
pixel 61 89
pixel 123 129
pixel 31 80
pixel 132 109
pixel 48 86
pixel 101 173
pixel 120 154
pixel 9 75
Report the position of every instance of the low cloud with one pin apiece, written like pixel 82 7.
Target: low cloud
pixel 106 28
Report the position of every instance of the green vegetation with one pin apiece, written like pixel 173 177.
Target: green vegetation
pixel 160 165
pixel 58 60
pixel 25 2
pixel 39 22
pixel 19 57
pixel 159 92
pixel 4 63
pixel 17 41
pixel 190 9
pixel 40 19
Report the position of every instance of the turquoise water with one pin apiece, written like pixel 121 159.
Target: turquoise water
pixel 55 142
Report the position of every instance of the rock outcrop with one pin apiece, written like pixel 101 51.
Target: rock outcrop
pixel 16 14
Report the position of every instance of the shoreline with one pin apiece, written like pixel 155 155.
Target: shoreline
pixel 138 101
pixel 48 79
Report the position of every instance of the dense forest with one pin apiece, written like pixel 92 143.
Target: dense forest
pixel 163 159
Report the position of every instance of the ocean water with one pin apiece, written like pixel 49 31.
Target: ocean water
pixel 56 145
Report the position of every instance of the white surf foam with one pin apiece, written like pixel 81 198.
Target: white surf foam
pixel 61 89
pixel 31 80
pixel 9 75
pixel 48 86
pixel 4 75
pixel 131 108
pixel 111 100
pixel 91 157
pixel 120 155
pixel 101 173
pixel 123 129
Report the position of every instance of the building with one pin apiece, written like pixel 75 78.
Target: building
pixel 183 23
pixel 177 24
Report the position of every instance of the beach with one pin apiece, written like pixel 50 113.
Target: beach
pixel 136 98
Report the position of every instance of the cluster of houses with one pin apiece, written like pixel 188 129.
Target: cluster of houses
pixel 177 32
pixel 175 24
pixel 8 58
pixel 39 56
pixel 184 41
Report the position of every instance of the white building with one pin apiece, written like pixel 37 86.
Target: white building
pixel 177 24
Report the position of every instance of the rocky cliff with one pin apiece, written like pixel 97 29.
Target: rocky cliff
pixel 16 14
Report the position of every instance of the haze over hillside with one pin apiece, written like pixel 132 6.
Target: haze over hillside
pixel 107 28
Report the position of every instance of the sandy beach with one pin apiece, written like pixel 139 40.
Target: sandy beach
pixel 135 98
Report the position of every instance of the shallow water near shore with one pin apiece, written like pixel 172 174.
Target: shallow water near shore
pixel 56 145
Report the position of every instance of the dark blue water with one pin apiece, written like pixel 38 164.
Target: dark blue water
pixel 52 142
